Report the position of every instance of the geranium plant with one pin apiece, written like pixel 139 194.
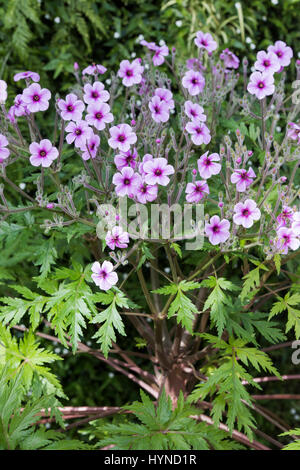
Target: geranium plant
pixel 181 179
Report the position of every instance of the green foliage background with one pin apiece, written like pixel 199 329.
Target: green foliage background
pixel 48 37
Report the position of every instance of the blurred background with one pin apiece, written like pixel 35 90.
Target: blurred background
pixel 49 36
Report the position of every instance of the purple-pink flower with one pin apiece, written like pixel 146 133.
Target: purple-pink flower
pixel 159 109
pixel 103 275
pixel 217 230
pixel 194 111
pixel 261 84
pixel 196 191
pixel 42 153
pixel 199 132
pixel 117 238
pixel 3 92
pixel 231 61
pixel 23 75
pixel 205 41
pixel 36 98
pixel 246 213
pixel 78 132
pixel 287 238
pixel 294 131
pixel 146 192
pixel 207 165
pixel 283 52
pixel 94 93
pixel 157 171
pixel 131 72
pixel 90 147
pixel 71 108
pixel 296 223
pixel 159 56
pixel 19 108
pixel 166 96
pixel 124 159
pixel 194 82
pixel 242 178
pixel 98 115
pixel 126 182
pixel 4 152
pixel 94 70
pixel 267 62
pixel 121 137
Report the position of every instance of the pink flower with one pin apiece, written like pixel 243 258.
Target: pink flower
pixel 207 166
pixel 205 41
pixel 196 191
pixel 242 179
pixel 95 92
pixel 42 153
pixel 296 223
pixel 159 109
pixel 294 132
pixel 157 171
pixel 160 53
pixel 117 238
pixel 231 61
pixel 283 52
pixel 287 238
pixel 166 96
pixel 261 84
pixel 150 45
pixel 199 132
pixel 104 276
pixel 23 75
pixel 124 159
pixel 194 111
pixel 36 98
pixel 126 182
pixel 90 147
pixel 94 70
pixel 217 230
pixel 71 108
pixel 146 192
pixel 147 157
pixel 246 213
pixel 194 82
pixel 285 216
pixel 19 107
pixel 3 92
pixel 98 115
pixel 267 62
pixel 79 132
pixel 131 72
pixel 4 152
pixel 121 137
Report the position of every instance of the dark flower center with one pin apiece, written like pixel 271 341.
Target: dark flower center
pixel 36 98
pixel 207 162
pixel 95 94
pixel 99 115
pixel 126 181
pixel 103 274
pixel 129 159
pixel 193 112
pixel 216 229
pixel 279 53
pixel 267 63
pixel 157 172
pixel 92 146
pixel 243 176
pixel 198 189
pixel 78 132
pixel 70 107
pixel 42 153
pixel 203 42
pixel 129 73
pixel 198 130
pixel 245 212
pixel 121 138
pixel 143 190
pixel 261 85
pixel 156 109
pixel 194 81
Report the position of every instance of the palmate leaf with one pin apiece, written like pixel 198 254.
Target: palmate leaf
pixel 217 301
pixel 226 383
pixel 161 427
pixel 293 445
pixel 288 303
pixel 251 281
pixel 181 307
pixel 110 318
pixel 18 428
